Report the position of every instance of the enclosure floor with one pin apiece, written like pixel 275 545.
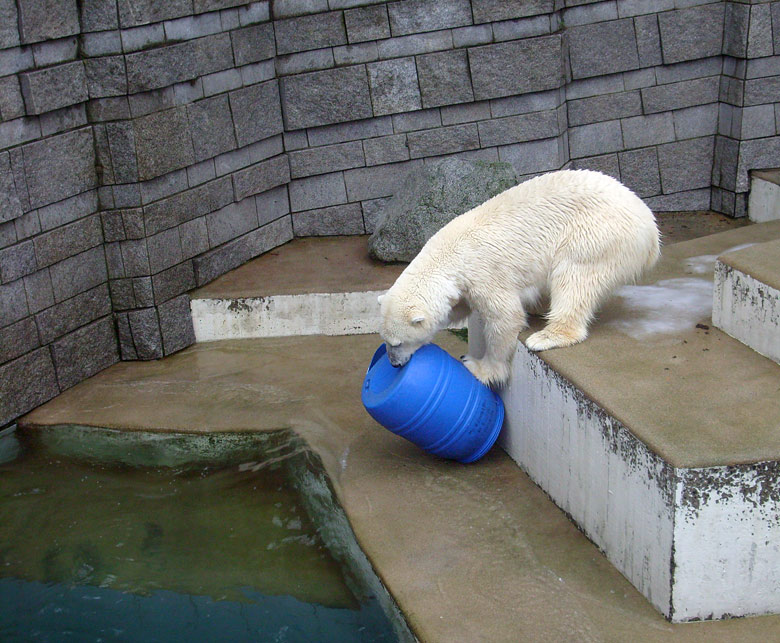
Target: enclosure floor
pixel 469 552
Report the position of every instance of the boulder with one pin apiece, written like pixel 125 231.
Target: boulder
pixel 429 199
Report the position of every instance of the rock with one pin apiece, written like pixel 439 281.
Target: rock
pixel 431 198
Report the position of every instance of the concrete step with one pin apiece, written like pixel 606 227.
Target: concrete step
pixel 746 304
pixel 312 286
pixel 660 437
pixel 764 199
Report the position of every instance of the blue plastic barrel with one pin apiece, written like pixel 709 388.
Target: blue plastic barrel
pixel 435 402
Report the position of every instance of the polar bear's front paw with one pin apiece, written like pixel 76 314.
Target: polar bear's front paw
pixel 487 372
pixel 546 339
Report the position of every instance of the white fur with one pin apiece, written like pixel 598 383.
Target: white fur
pixel 573 234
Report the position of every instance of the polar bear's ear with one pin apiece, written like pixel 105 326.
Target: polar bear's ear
pixel 418 319
pixel 380 298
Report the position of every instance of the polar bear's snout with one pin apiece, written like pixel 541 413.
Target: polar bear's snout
pixel 398 355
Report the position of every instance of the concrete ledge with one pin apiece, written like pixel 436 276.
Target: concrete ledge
pixel 658 437
pixel 746 302
pixel 764 199
pixel 351 313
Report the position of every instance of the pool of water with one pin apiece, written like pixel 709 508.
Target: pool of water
pixel 111 550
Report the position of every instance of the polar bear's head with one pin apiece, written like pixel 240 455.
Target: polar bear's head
pixel 406 326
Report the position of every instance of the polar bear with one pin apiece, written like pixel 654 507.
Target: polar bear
pixel 574 235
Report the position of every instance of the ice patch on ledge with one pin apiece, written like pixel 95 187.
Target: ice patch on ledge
pixel 705 264
pixel 665 307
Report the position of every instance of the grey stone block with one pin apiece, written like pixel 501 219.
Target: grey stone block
pixel 231 221
pixel 272 205
pixel 217 262
pixel 170 64
pixel 595 139
pixel 680 95
pixel 201 172
pixel 286 8
pixel 194 237
pixel 494 10
pixel 760 31
pixel 304 61
pixel 310 32
pixel 59 167
pixel 140 12
pixel 680 201
pixel 589 13
pixel 330 158
pixel 762 90
pixel 18 339
pixel 518 67
pixel 85 351
pixel 98 15
pixel 317 191
pixel 142 290
pixel 386 149
pixel 428 200
pixel 25 383
pixel 642 131
pixel 164 250
pixel 775 10
pixel 606 164
pixel 176 325
pixel 639 171
pixel 367 23
pixel 377 181
pixel 256 112
pixel 19 131
pixel 444 78
pixel 106 76
pixel 189 27
pixel 364 52
pixel 253 44
pixel 261 177
pixel 121 292
pixel 686 165
pixel 690 70
pixel 515 129
pixel 335 220
pixel 696 121
pixel 648 40
pixel 13 303
pixel 603 48
pixel 48 89
pixel 317 98
pixel 687 34
pixel 762 67
pixel 445 140
pixel 353 131
pixel 467 113
pixel 134 260
pixel 196 202
pixel 145 333
pixel 394 86
pixel 108 109
pixel 73 313
pixel 534 156
pixel 524 28
pixel 472 36
pixel 10 207
pixel 173 281
pixel 415 16
pixel 15 60
pixel 138 38
pixel 211 126
pixel 9 32
pixel 68 240
pixel 735 32
pixel 11 101
pixel 372 212
pixel 39 291
pixel 753 154
pixel 62 120
pixel 604 108
pixel 114 265
pixel 163 143
pixel 125 338
pixel 17 262
pixel 47 19
pixel 67 211
pixel 415 44
pixel 76 274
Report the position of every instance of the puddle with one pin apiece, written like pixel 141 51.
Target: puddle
pixel 107 535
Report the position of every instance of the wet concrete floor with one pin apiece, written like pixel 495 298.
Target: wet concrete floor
pixel 470 552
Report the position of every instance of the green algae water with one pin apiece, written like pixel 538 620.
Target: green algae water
pixel 111 550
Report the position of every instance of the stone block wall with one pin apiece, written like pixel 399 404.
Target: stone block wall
pixel 148 147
